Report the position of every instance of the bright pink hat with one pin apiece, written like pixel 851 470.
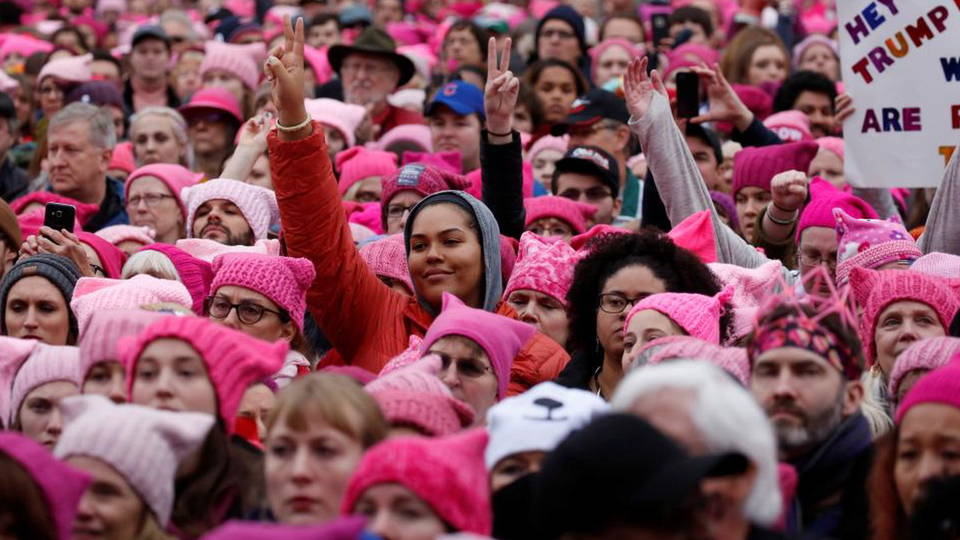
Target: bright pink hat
pixel 543 266
pixel 234 59
pixel 72 69
pixel 258 204
pixel 341 116
pixel 448 473
pixel 582 241
pixel 759 102
pixel 597 51
pixel 501 338
pixel 548 142
pixel 938 264
pixel 13 353
pixel 318 61
pixel 790 126
pixel 574 213
pixel 215 98
pixel 284 280
pixel 871 243
pixel 144 445
pixel 415 396
pixel 233 359
pixel 195 274
pixel 122 158
pixel 756 166
pixel 695 234
pixel 62 485
pixel 419 178
pixel 46 363
pixel 697 314
pixel 690 55
pixel 116 234
pixel 733 360
pixel 875 290
pixel 833 144
pixel 750 285
pixel 208 250
pixel 22 44
pixel 824 197
pixel 418 134
pixel 358 163
pixel 364 214
pixel 93 294
pixel 939 386
pixel 451 162
pixel 406 33
pixel 927 354
pixel 388 258
pixel 84 211
pixel 175 177
pixel 110 256
pixel 98 342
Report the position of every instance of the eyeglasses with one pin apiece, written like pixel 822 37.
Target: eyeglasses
pixel 248 312
pixel 152 199
pixel 615 303
pixel 809 260
pixel 468 367
pixel 396 211
pixel 593 194
pixel 562 34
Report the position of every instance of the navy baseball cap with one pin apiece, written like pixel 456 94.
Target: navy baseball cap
pixel 461 97
pixel 595 105
pixel 591 161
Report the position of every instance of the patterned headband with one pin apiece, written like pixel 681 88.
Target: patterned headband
pixel 797 330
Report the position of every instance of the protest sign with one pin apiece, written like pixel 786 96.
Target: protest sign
pixel 901 65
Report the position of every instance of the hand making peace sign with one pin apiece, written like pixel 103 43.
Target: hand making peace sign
pixel 503 87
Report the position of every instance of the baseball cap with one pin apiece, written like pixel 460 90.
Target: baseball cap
pixel 461 97
pixel 592 107
pixel 592 161
pixel 150 31
pixel 355 14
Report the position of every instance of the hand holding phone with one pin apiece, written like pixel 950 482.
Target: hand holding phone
pixel 688 94
pixel 59 216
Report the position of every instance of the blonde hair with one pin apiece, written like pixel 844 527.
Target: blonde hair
pixel 152 263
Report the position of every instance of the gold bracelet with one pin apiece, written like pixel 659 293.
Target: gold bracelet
pixel 296 127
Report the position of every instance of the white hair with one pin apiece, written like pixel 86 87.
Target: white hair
pixel 728 420
pixel 150 262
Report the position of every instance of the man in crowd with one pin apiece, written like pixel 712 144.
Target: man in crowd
pixel 149 85
pixel 455 117
pixel 589 174
pixel 812 94
pixel 230 212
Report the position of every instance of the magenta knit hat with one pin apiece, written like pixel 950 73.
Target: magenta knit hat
pixel 13 353
pixel 756 166
pixel 448 473
pixel 144 445
pixel 733 360
pixel 543 266
pixel 91 295
pixel 574 213
pixel 195 274
pixel 698 314
pixel 833 144
pixel 343 117
pixel 386 257
pixel 215 98
pixel 939 386
pixel 62 485
pixel 234 59
pixel 358 163
pixel 927 354
pixel 419 178
pixel 104 329
pixel 116 234
pixel 790 126
pixel 418 134
pixel 284 280
pixel 75 69
pixel 46 363
pixel 233 359
pixel 824 197
pixel 501 338
pixel 938 264
pixel 176 177
pixel 258 204
pixel 871 243
pixel 750 285
pixel 875 290
pixel 342 528
pixel 415 396
pixel 110 256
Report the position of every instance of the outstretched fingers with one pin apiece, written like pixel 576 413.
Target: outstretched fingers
pixel 492 58
pixel 505 56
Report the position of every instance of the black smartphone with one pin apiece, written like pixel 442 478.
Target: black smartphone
pixel 682 37
pixel 660 22
pixel 688 94
pixel 59 216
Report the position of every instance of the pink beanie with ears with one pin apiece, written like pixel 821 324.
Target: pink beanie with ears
pixel 234 59
pixel 46 363
pixel 92 295
pixel 258 204
pixel 939 386
pixel 756 166
pixel 574 213
pixel 790 126
pixel 697 314
pixel 750 285
pixel 824 197
pixel 387 257
pixel 927 354
pixel 938 264
pixel 110 256
pixel 358 163
pixel 75 69
pixel 284 280
pixel 341 116
pixel 733 360
pixel 409 355
pixel 98 342
pixel 548 142
pixel 597 51
pixel 543 266
pixel 175 177
pixel 696 235
pixel 833 144
pixel 871 243
pixel 13 353
pixel 84 211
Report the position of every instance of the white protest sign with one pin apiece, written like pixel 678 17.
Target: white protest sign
pixel 901 65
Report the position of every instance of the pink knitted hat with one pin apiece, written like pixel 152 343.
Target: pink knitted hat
pixel 234 59
pixel 110 256
pixel 574 213
pixel 176 177
pixel 419 178
pixel 144 445
pixel 697 314
pixel 13 353
pixel 91 295
pixel 46 363
pixel 84 211
pixel 342 528
pixel 501 338
pixel 410 355
pixel 790 126
pixel 871 243
pixel 318 61
pixel 548 142
pixel 448 473
pixel 284 280
pixel 104 329
pixel 938 264
pixel 597 51
pixel 194 273
pixel 696 235
pixel 756 166
pixel 72 69
pixel 365 214
pixel 813 39
pixel 418 134
pixel 208 250
pixel 750 285
pixel 341 116
pixel 386 257
pixel 122 158
pixel 116 234
pixel 62 485
pixel 733 360
pixel 824 197
pixel 875 290
pixel 927 354
pixel 939 386
pixel 258 204
pixel 358 163
pixel 543 266
pixel 233 359
pixel 833 144
pixel 415 396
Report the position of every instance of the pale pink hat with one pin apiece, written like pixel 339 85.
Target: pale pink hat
pixel 115 234
pixel 341 116
pixel 938 264
pixel 733 360
pixel 13 353
pixel 574 213
pixel 104 329
pixel 93 294
pixel 698 315
pixel 928 354
pixel 258 204
pixel 73 69
pixel 548 142
pixel 208 250
pixel 360 233
pixel 46 363
pixel 543 266
pixel 410 355
pixel 871 243
pixel 790 126
pixel 234 59
pixel 358 163
pixel 22 44
pixel 750 285
pixel 122 158
pixel 284 280
pixel 175 177
pixel 387 257
pixel 418 134
pixel 144 445
pixel 833 144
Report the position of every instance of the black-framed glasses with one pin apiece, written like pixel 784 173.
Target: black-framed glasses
pixel 614 303
pixel 468 367
pixel 248 312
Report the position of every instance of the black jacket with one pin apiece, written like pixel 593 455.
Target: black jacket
pixel 14 181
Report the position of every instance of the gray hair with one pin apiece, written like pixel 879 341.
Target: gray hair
pixel 179 129
pixel 99 120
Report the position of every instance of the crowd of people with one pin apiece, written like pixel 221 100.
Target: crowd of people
pixel 419 269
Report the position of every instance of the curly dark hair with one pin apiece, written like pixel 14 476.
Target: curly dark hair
pixel 800 82
pixel 680 269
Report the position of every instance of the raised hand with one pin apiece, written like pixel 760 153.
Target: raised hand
pixel 844 107
pixel 63 243
pixel 503 87
pixel 724 104
pixel 284 70
pixel 789 190
pixel 638 87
